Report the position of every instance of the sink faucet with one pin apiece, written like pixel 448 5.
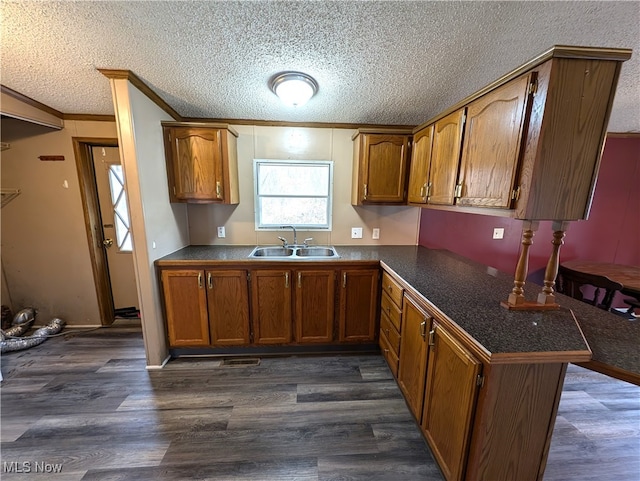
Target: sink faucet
pixel 295 237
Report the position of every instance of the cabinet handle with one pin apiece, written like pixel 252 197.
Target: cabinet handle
pixel 344 280
pixel 218 190
pixel 432 334
pixel 423 329
pixel 365 191
pixel 423 190
pixel 386 350
pixel 389 288
pixel 209 280
pixel 387 331
pixel 200 280
pixel 429 189
pixel 299 280
pixel 458 191
pixel 286 280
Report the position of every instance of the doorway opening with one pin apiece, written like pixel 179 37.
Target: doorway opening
pixel 107 225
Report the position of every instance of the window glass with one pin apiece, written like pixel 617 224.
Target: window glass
pixel 293 192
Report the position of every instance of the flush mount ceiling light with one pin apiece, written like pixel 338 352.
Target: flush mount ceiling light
pixel 294 88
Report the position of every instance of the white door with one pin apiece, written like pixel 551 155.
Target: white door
pixel 115 226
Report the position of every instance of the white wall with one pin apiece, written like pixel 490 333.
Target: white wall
pixel 398 225
pixel 45 252
pixel 158 227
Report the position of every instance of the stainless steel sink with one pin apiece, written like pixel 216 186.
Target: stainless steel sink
pixel 316 252
pixel 294 253
pixel 271 252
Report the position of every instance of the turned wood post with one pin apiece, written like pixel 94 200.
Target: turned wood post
pixel 551 272
pixel 517 294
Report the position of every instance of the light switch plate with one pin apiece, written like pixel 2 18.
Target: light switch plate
pixel 498 233
pixel 356 232
pixel 376 233
pixel 221 232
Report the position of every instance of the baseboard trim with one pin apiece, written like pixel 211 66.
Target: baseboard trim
pixel 157 367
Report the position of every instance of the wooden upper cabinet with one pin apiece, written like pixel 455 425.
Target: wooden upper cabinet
pixel 493 137
pixel 445 157
pixel 271 309
pixel 314 305
pixel 380 168
pixel 185 302
pixel 202 165
pixel 449 400
pixel 228 303
pixel 420 163
pixel 565 137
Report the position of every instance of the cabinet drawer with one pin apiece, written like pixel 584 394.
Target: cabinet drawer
pixel 389 355
pixel 390 332
pixel 393 289
pixel 391 310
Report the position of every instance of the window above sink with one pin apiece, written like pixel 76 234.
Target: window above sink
pixel 293 192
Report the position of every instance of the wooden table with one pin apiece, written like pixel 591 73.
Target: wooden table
pixel 628 276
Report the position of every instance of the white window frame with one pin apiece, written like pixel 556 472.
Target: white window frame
pixel 272 227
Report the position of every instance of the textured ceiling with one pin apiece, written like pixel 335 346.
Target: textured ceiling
pixel 376 62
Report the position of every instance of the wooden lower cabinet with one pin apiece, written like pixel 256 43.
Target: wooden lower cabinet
pixel 224 307
pixel 449 401
pixel 358 305
pixel 185 302
pixel 228 307
pixel 413 354
pixel 271 306
pixel 314 305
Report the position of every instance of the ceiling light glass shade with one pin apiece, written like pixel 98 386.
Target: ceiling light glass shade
pixel 294 88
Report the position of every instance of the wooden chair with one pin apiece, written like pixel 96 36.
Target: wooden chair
pixel 570 283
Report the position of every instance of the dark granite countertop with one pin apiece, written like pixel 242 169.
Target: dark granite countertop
pixel 469 294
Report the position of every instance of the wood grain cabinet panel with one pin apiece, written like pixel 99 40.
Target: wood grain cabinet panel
pixel 420 164
pixel 358 305
pixel 185 301
pixel 380 168
pixel 413 354
pixel 201 162
pixel 314 305
pixel 445 157
pixel 493 138
pixel 449 400
pixel 531 143
pixel 228 306
pixel 271 309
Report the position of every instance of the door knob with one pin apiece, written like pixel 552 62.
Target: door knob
pixel 107 243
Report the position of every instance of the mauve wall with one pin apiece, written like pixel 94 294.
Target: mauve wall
pixel 612 233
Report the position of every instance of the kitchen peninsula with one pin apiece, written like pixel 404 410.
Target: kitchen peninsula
pixel 511 363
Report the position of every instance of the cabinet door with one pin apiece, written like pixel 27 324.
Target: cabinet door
pixel 228 302
pixel 445 157
pixel 186 307
pixel 197 163
pixel 450 397
pixel 271 306
pixel 413 355
pixel 315 305
pixel 493 138
pixel 385 168
pixel 420 163
pixel 358 301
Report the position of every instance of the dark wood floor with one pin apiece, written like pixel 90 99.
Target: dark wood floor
pixel 88 405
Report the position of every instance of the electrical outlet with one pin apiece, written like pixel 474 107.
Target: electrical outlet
pixel 221 232
pixel 356 232
pixel 498 233
pixel 376 233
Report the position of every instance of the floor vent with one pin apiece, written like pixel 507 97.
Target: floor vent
pixel 240 362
